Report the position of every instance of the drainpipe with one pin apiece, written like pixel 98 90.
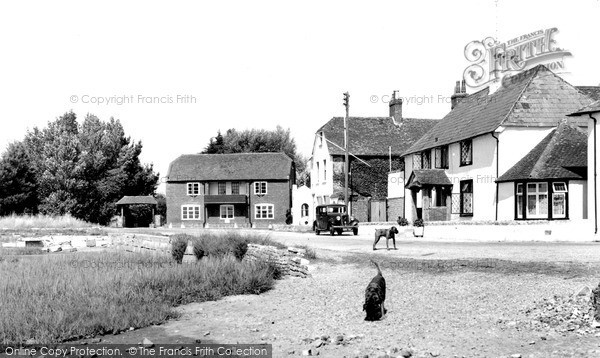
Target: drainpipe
pixel 497 170
pixel 595 179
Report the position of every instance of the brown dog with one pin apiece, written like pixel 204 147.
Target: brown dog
pixel 389 234
pixel 375 297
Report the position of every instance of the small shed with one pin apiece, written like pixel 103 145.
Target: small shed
pixel 127 201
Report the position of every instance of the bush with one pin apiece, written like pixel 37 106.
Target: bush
pixel 228 243
pixel 418 223
pixel 178 246
pixel 311 254
pixel 402 221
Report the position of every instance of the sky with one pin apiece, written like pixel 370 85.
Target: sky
pixel 174 73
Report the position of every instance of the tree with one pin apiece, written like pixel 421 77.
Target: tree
pixel 18 189
pixel 84 169
pixel 215 146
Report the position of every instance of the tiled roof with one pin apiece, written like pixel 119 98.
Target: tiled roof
pixel 420 177
pixel 372 136
pixel 591 91
pixel 594 107
pixel 127 200
pixel 239 166
pixel 536 97
pixel 560 155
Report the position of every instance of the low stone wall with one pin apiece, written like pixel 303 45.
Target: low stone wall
pixel 140 243
pixel 289 262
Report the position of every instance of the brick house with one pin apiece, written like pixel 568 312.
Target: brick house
pixel 229 190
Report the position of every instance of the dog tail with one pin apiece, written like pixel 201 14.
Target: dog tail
pixel 376 265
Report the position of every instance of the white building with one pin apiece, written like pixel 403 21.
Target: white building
pixel 451 172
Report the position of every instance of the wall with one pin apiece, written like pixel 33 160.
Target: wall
pixel 506 202
pixel 593 187
pixel 302 195
pixel 395 208
pixel 578 199
pixel 516 142
pixel 321 187
pixel 176 197
pixel 278 194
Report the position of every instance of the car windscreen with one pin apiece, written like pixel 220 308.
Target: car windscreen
pixel 336 209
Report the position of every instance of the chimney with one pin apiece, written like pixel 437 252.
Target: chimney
pixel 460 92
pixel 396 108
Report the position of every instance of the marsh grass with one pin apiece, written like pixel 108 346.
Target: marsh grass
pixel 53 298
pixel 41 221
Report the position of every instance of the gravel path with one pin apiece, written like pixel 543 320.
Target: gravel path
pixel 448 314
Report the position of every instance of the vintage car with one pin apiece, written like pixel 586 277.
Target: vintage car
pixel 333 218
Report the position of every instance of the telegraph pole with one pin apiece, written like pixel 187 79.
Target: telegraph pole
pixel 347 105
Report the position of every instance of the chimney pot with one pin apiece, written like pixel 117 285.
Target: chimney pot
pixel 396 108
pixel 459 93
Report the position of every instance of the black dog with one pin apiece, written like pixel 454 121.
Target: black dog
pixel 375 297
pixel 389 234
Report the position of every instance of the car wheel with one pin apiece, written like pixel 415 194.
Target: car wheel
pixel 317 231
pixel 339 231
pixel 355 232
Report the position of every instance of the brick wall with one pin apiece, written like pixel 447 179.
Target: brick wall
pixel 176 197
pixel 278 194
pixel 360 209
pixel 395 208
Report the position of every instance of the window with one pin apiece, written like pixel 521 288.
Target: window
pixel 466 197
pixel 324 170
pixel 318 173
pixel 226 211
pixel 222 188
pixel 416 161
pixel 190 212
pixel 559 200
pixel 263 211
pixel 466 152
pixel 519 198
pixel 260 188
pixel 560 187
pixel 320 138
pixel 537 200
pixel 456 203
pixel 193 189
pixel 235 188
pixel 441 157
pixel 426 159
pixel 304 210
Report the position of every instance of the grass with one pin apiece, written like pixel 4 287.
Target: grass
pixel 53 298
pixel 41 221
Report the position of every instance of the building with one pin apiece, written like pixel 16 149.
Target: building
pixel 230 190
pixel 452 170
pixel 375 147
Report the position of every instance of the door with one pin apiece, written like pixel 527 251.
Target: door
pixel 378 211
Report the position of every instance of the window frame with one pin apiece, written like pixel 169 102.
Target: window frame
pixel 462 193
pixel 191 185
pixel 462 143
pixel 191 207
pixel 417 156
pixel 222 184
pixel 235 188
pixel 426 159
pixel 258 190
pixel 304 210
pixel 258 211
pixel 226 207
pixel 441 152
